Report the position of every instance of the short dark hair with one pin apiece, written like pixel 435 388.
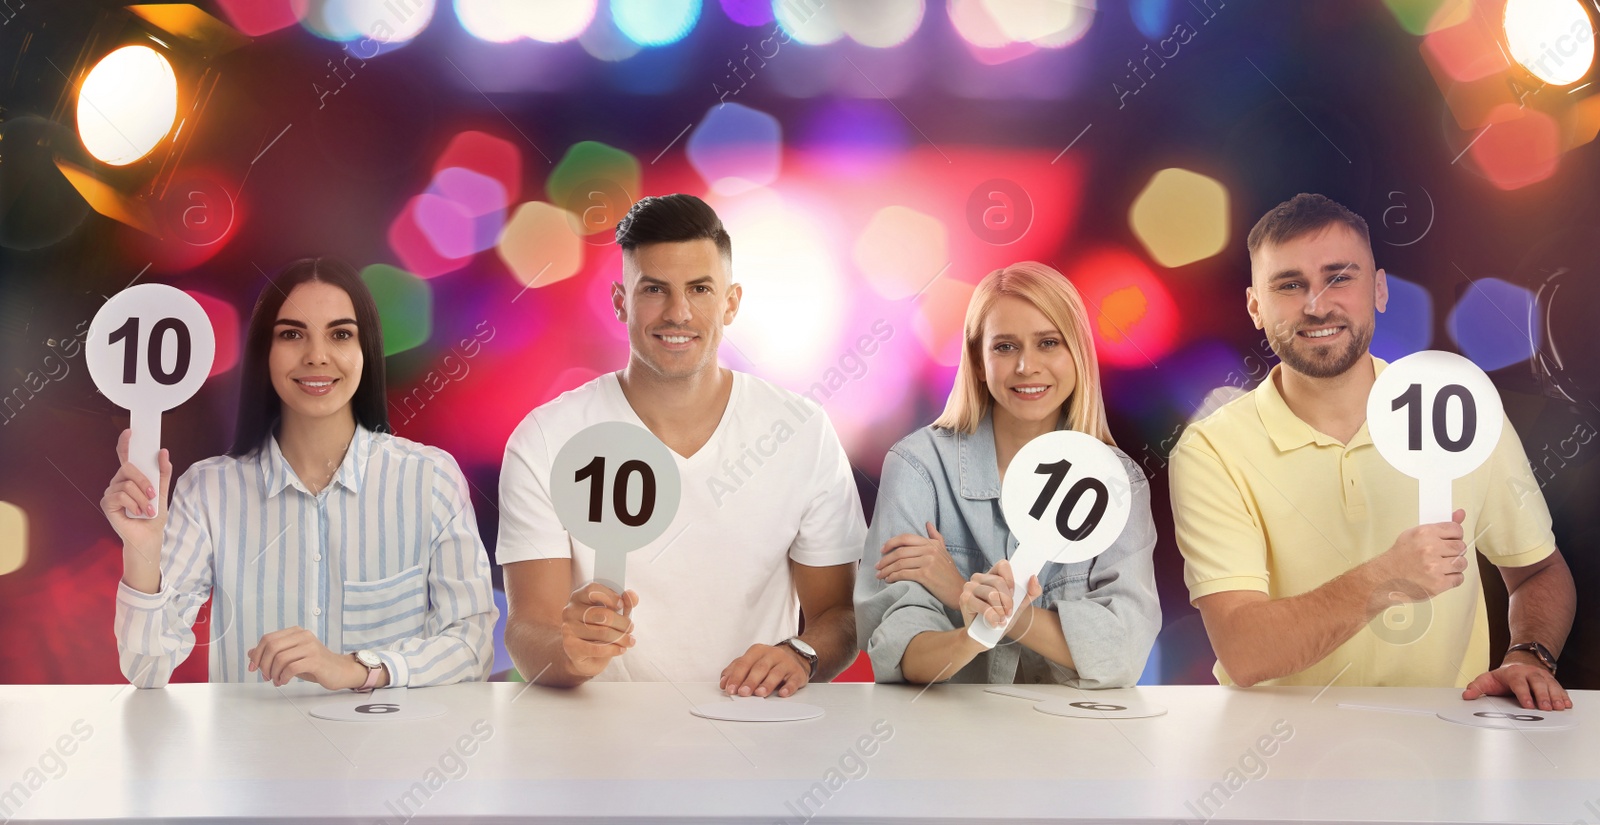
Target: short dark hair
pixel 259 406
pixel 672 219
pixel 1301 215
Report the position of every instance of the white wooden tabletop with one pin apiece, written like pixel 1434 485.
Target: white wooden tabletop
pixel 633 752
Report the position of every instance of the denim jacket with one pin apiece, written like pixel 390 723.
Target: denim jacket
pixel 1108 607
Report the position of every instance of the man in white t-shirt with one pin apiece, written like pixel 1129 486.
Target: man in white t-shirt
pixel 769 526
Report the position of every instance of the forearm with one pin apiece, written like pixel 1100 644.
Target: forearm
pixel 833 636
pixel 936 655
pixel 141 567
pixel 462 651
pixel 537 652
pixel 1275 638
pixel 1542 608
pixel 1039 630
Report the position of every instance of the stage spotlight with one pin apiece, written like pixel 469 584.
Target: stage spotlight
pixel 1552 39
pixel 140 85
pixel 128 103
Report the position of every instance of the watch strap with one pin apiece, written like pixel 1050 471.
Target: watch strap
pixel 372 677
pixel 1539 652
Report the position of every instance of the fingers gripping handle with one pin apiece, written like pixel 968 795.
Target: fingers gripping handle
pixel 1024 566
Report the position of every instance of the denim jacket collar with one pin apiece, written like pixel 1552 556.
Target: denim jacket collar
pixel 980 470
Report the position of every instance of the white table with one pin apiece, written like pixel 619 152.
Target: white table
pixel 626 752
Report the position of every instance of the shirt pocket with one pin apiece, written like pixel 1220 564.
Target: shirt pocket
pixel 968 560
pixel 382 612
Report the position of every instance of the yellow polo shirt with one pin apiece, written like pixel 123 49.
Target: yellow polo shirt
pixel 1262 501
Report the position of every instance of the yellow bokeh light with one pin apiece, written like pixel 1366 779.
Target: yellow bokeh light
pixel 941 314
pixel 1181 217
pixel 539 246
pixel 881 23
pixel 13 538
pixel 901 251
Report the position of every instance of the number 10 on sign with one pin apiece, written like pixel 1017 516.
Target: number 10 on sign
pixel 1055 526
pixel 615 488
pixel 1436 417
pixel 150 348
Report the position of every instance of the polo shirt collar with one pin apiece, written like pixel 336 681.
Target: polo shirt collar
pixel 1287 430
pixel 276 474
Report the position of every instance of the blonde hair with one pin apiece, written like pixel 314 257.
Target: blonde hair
pixel 1057 299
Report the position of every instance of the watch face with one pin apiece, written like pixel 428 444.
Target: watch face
pixel 368 658
pixel 803 647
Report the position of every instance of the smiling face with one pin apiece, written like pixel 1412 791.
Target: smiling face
pixel 1316 297
pixel 675 299
pixel 315 359
pixel 1026 363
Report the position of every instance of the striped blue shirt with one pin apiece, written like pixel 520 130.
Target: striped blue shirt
pixel 386 558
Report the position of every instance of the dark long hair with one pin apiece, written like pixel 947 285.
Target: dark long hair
pixel 259 406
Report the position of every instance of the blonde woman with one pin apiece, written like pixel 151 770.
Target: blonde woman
pixel 936 554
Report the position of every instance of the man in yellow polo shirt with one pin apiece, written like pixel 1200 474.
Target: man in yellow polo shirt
pixel 1298 537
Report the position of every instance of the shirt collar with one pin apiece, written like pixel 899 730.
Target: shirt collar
pixel 979 466
pixel 1287 430
pixel 276 474
pixel 979 469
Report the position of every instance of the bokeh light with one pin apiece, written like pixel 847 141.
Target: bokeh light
pixel 503 21
pixel 405 307
pixel 462 212
pixel 604 41
pixel 793 288
pixel 748 12
pixel 225 327
pixel 538 245
pixel 941 311
pixel 1131 312
pixel 1521 150
pixel 1428 16
pixel 1552 39
pixel 1153 18
pixel 258 17
pixel 446 225
pixel 736 148
pixel 13 538
pixel 386 24
pixel 811 22
pixel 1495 323
pixel 127 105
pixel 880 24
pixel 414 246
pixel 487 155
pixel 655 22
pixel 1406 325
pixel 1464 53
pixel 901 250
pixel 597 184
pixel 995 24
pixel 1181 217
pixel 975 25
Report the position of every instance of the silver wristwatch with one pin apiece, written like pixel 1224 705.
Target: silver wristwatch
pixel 806 652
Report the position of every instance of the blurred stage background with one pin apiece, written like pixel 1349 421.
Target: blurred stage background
pixel 872 159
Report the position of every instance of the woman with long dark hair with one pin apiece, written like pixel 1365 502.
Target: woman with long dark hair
pixel 332 550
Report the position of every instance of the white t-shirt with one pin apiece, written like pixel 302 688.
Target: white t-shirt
pixel 772 484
